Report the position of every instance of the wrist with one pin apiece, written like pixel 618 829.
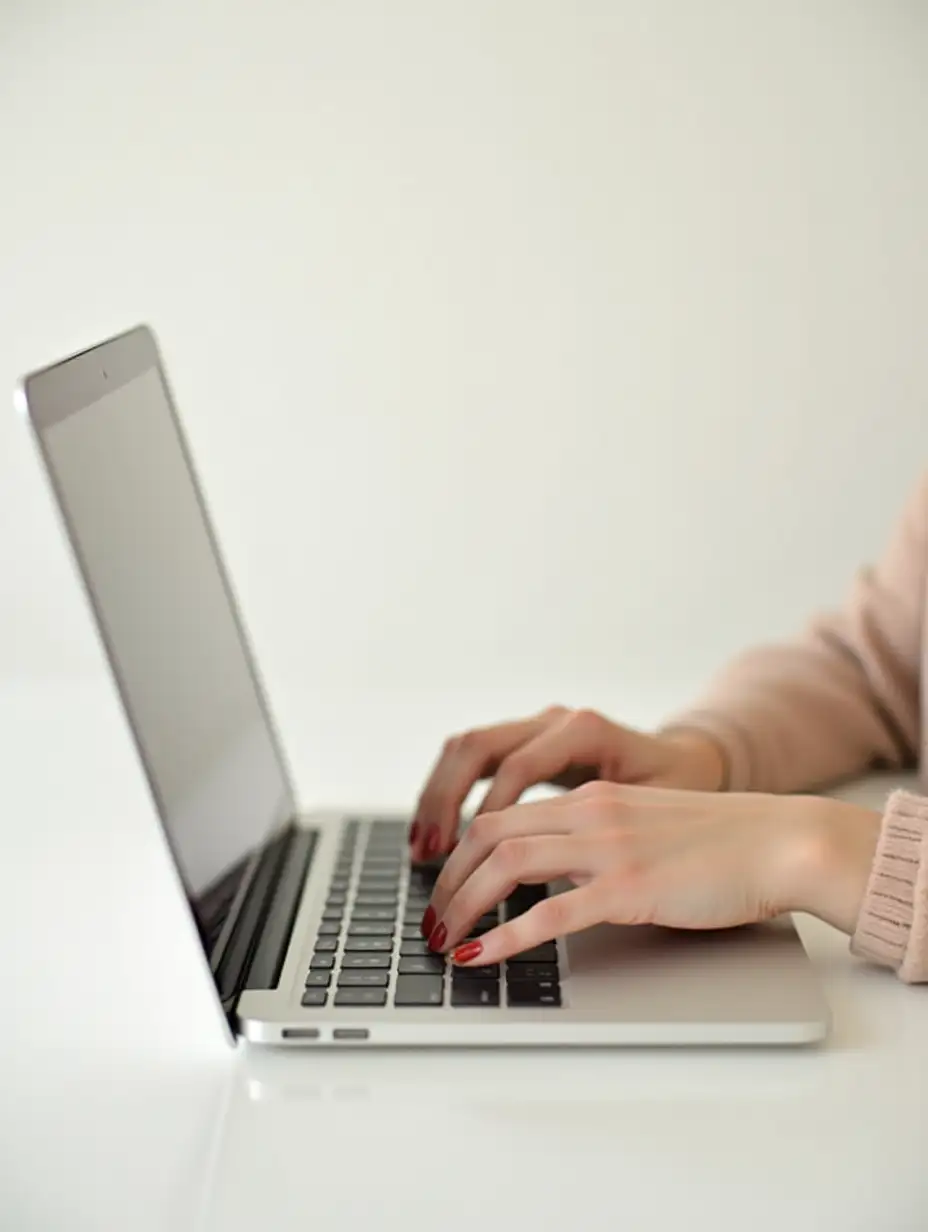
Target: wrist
pixel 829 848
pixel 699 762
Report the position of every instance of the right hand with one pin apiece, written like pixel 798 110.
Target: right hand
pixel 561 747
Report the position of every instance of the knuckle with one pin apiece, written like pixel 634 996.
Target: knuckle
pixel 556 711
pixel 519 932
pixel 554 914
pixel 593 793
pixel 587 720
pixel 517 766
pixel 511 854
pixel 466 744
pixel 484 830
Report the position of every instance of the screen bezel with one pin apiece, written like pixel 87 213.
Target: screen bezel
pixel 47 397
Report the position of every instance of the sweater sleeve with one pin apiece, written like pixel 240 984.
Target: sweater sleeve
pixel 892 928
pixel 841 699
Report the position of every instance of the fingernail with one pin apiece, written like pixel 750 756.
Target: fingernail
pixel 431 841
pixel 413 833
pixel 468 952
pixel 428 922
pixel 438 937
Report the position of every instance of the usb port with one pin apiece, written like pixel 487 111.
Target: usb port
pixel 351 1033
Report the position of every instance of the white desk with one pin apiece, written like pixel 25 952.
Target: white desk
pixel 123 1109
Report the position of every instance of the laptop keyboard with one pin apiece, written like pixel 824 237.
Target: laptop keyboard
pixel 369 950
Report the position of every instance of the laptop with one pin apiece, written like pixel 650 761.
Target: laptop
pixel 310 921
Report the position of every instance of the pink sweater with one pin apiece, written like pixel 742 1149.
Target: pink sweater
pixel 844 698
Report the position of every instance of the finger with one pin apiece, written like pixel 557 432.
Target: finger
pixel 572 741
pixel 463 762
pixel 557 916
pixel 527 860
pixel 487 831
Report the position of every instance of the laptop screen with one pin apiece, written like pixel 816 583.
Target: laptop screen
pixel 143 541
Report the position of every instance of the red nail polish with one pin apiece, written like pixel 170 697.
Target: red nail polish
pixel 428 922
pixel 468 952
pixel 431 841
pixel 438 937
pixel 413 833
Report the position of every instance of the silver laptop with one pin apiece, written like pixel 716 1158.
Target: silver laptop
pixel 310 922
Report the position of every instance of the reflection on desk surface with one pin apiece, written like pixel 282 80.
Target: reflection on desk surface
pixel 542 1077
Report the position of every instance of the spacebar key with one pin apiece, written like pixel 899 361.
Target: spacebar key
pixel 418 990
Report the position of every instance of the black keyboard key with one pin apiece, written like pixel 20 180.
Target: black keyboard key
pixel 364 962
pixel 529 993
pixel 339 885
pixel 544 953
pixel 373 913
pixel 363 979
pixel 523 899
pixel 318 979
pixel 377 883
pixel 329 928
pixel 432 964
pixel 361 996
pixel 326 945
pixel 333 914
pixel 474 994
pixel 489 972
pixel 336 899
pixel 375 900
pixel 415 949
pixel 322 962
pixel 369 945
pixel 418 990
pixel 423 875
pixel 412 932
pixel 314 997
pixel 371 928
pixel 532 971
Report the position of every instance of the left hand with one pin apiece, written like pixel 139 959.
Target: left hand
pixel 643 855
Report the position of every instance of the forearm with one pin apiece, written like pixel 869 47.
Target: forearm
pixel 797 717
pixel 841 699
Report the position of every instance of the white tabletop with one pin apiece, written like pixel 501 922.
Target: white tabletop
pixel 125 1108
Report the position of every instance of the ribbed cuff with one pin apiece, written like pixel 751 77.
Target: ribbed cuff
pixel 892 929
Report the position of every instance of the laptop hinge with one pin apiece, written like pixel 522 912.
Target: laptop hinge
pixel 254 953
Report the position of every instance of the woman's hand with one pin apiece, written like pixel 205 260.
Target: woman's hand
pixel 559 746
pixel 640 855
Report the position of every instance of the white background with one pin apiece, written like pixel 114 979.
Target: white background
pixel 531 351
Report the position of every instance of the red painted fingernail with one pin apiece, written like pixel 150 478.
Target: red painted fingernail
pixel 413 833
pixel 438 937
pixel 468 952
pixel 431 841
pixel 428 922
